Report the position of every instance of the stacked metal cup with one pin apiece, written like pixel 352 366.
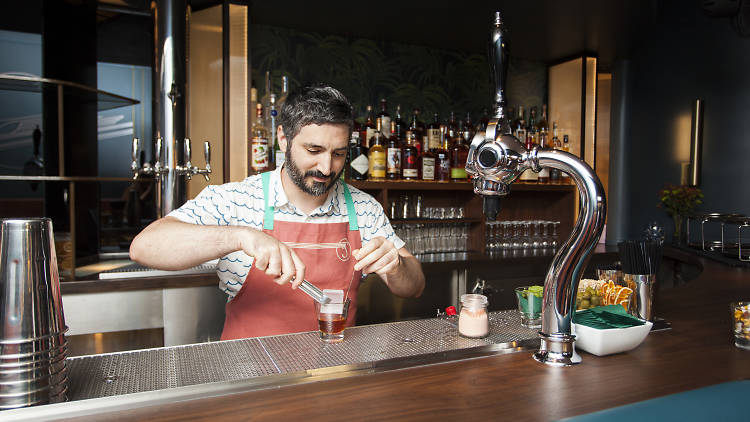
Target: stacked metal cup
pixel 32 324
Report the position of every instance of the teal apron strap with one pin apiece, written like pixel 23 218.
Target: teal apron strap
pixel 267 211
pixel 350 208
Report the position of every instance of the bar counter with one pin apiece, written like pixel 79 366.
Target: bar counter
pixel 697 352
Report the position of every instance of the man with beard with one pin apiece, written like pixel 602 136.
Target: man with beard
pixel 276 229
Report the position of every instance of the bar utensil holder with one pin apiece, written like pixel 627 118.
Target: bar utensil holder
pixel 642 301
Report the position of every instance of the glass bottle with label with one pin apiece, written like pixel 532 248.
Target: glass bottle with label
pixel 544 142
pixel 385 118
pixel 398 126
pixel 377 153
pixel 519 126
pixel 530 175
pixel 566 148
pixel 468 131
pixel 259 143
pixel 459 153
pixel 393 158
pixel 416 131
pixel 554 174
pixel 359 165
pixel 410 162
pixel 452 127
pixel 368 128
pixel 433 134
pixel 443 160
pixel 427 163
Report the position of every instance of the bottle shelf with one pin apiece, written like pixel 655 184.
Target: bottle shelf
pixel 417 185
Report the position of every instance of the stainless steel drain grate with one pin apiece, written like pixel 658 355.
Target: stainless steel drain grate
pixel 170 367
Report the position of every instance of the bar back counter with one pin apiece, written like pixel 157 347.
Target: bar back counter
pixel 415 370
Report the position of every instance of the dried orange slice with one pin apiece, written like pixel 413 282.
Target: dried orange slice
pixel 612 294
pixel 623 295
pixel 625 304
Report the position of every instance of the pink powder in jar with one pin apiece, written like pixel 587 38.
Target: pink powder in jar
pixel 473 320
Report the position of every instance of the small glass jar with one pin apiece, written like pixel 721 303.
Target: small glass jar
pixel 473 321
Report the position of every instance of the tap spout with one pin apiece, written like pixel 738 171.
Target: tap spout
pixel 561 282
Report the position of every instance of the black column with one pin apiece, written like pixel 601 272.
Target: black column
pixel 69 54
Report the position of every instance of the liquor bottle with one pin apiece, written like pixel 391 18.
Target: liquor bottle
pixel 393 157
pixel 427 163
pixel 554 174
pixel 532 128
pixel 284 92
pixel 433 134
pixel 566 148
pixel 530 175
pixel 443 160
pixel 410 161
pixel 253 102
pixel 385 119
pixel 368 128
pixel 544 142
pixel 273 143
pixel 398 126
pixel 416 131
pixel 265 100
pixel 459 153
pixel 359 165
pixel 519 126
pixel 468 130
pixel 376 153
pixel 543 128
pixel 259 143
pixel 452 127
pixel 483 121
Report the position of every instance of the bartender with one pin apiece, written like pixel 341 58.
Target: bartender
pixel 273 230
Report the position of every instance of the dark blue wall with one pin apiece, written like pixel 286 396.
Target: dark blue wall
pixel 684 55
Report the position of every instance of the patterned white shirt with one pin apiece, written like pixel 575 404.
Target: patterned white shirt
pixel 241 204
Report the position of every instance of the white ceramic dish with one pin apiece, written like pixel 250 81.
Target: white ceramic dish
pixel 613 340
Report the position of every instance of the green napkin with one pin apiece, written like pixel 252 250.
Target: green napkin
pixel 606 317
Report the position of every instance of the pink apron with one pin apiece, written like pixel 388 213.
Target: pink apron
pixel 264 308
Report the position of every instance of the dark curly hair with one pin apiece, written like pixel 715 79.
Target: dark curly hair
pixel 316 104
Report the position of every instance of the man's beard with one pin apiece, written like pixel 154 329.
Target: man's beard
pixel 317 188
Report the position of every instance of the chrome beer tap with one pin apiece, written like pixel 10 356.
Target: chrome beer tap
pixel 166 175
pixel 188 170
pixel 496 159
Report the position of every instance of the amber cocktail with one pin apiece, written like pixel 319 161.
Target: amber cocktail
pixel 332 321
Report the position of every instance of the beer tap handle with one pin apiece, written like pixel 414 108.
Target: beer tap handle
pixel 134 155
pixel 498 58
pixel 207 154
pixel 188 167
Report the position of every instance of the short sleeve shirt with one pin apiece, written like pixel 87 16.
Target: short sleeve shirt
pixel 241 204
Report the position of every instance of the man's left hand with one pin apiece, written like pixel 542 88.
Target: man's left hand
pixel 378 256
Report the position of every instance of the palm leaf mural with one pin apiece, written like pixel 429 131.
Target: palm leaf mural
pixel 365 70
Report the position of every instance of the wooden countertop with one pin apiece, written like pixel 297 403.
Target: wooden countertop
pixel 698 351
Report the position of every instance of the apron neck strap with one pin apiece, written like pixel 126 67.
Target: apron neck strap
pixel 353 225
pixel 268 210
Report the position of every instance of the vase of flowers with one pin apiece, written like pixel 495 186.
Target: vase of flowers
pixel 679 202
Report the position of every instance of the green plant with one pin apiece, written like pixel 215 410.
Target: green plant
pixel 679 201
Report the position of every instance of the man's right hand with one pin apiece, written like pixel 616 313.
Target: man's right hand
pixel 273 257
pixel 170 244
